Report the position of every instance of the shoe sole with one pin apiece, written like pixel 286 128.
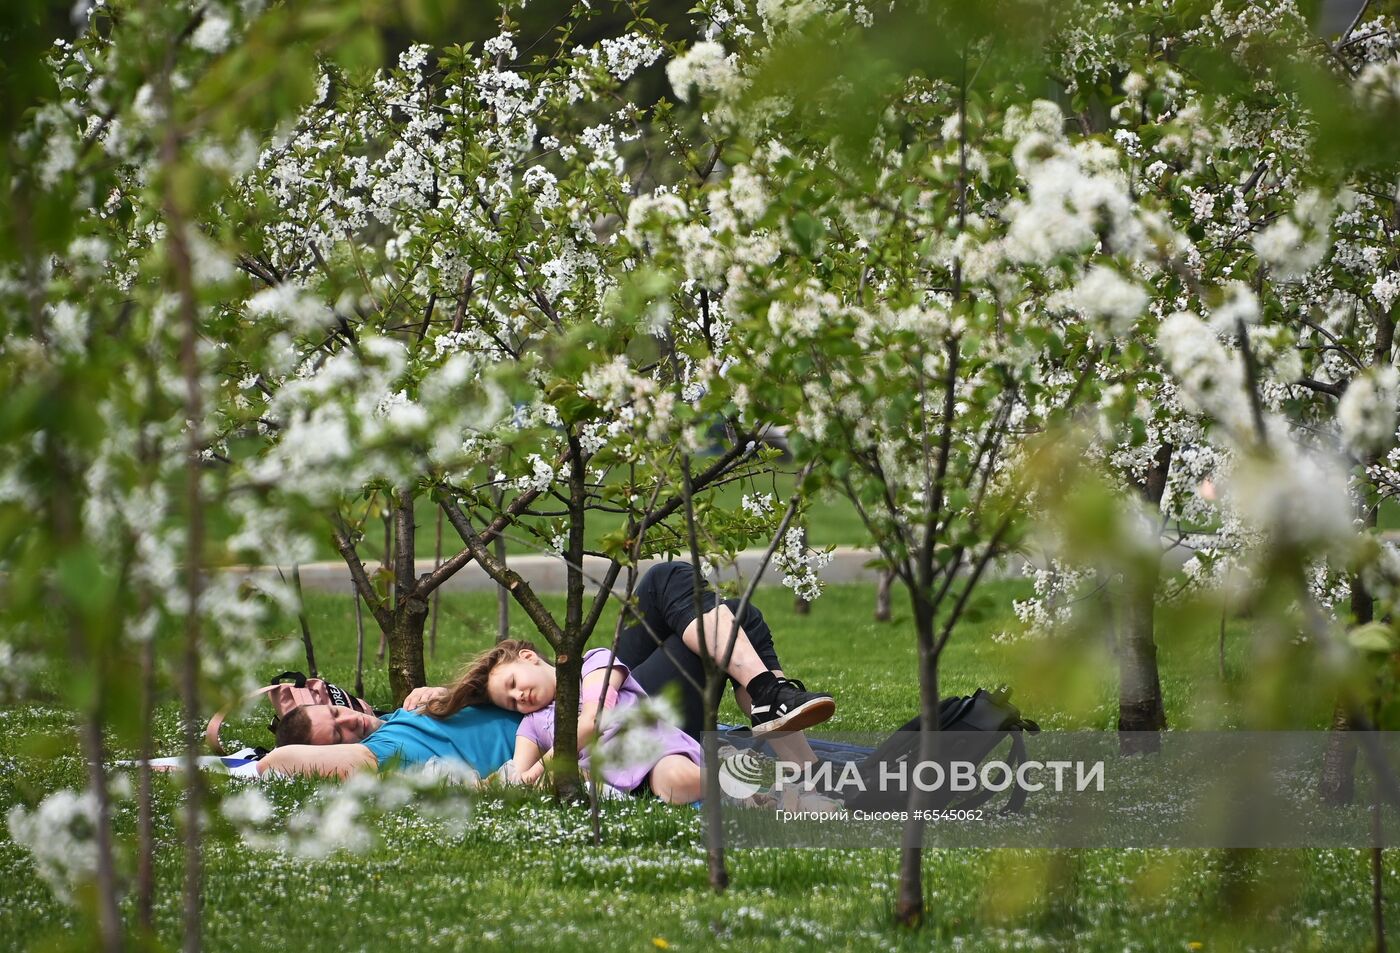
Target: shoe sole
pixel 802 717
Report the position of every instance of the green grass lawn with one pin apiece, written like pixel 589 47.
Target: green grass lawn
pixel 526 876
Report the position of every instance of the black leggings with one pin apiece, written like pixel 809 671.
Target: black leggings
pixel 652 647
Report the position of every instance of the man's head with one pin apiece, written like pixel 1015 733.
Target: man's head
pixel 324 725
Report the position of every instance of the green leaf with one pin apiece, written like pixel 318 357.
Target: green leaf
pixel 1374 637
pixel 806 231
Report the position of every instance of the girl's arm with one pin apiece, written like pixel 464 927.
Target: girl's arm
pixel 588 694
pixel 527 765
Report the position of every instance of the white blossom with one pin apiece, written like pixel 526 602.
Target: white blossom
pixel 1211 378
pixel 1366 414
pixel 212 34
pixel 704 67
pixel 800 565
pixel 1385 289
pixel 60 834
pixel 541 477
pixel 1104 294
pixel 1240 305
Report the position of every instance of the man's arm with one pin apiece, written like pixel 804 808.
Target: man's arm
pixel 419 697
pixel 327 761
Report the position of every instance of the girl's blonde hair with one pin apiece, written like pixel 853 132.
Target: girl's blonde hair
pixel 470 686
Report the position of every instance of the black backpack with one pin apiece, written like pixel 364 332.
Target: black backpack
pixel 972 727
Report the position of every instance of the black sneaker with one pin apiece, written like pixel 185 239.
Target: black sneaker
pixel 790 707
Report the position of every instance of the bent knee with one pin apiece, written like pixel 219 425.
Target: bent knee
pixel 677 780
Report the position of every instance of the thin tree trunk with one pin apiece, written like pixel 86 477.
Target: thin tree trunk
pixel 909 900
pixel 407 670
pixel 502 596
pixel 109 916
pixel 568 663
pixel 715 861
pixel 305 624
pixel 190 669
pixel 1377 872
pixel 498 546
pixel 714 824
pixel 1224 611
pixel 1062 886
pixel 1141 714
pixel 384 565
pixel 437 593
pixel 406 667
pixel 882 596
pixel 1337 784
pixel 572 642
pixel 359 643
pixel 715 673
pixel 64 509
pixel 194 545
pixel 145 808
pixel 595 779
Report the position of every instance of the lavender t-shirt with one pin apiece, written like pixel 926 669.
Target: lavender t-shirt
pixel 626 764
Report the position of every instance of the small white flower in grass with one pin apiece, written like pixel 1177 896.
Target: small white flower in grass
pixel 1366 413
pixel 249 806
pixel 445 771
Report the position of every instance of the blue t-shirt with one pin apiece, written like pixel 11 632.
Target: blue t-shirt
pixel 482 736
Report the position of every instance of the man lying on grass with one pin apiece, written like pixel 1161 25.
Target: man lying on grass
pixel 662 648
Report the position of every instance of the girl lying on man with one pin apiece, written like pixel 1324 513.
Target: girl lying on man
pixel 661 648
pixel 514 677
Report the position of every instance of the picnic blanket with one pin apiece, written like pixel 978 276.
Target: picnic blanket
pixel 841 752
pixel 244 763
pixel 240 764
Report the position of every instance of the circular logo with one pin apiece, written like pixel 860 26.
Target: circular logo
pixel 741 775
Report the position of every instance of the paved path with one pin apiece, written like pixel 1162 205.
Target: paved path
pixel 546 573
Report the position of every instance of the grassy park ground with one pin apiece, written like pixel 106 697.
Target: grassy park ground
pixel 526 876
